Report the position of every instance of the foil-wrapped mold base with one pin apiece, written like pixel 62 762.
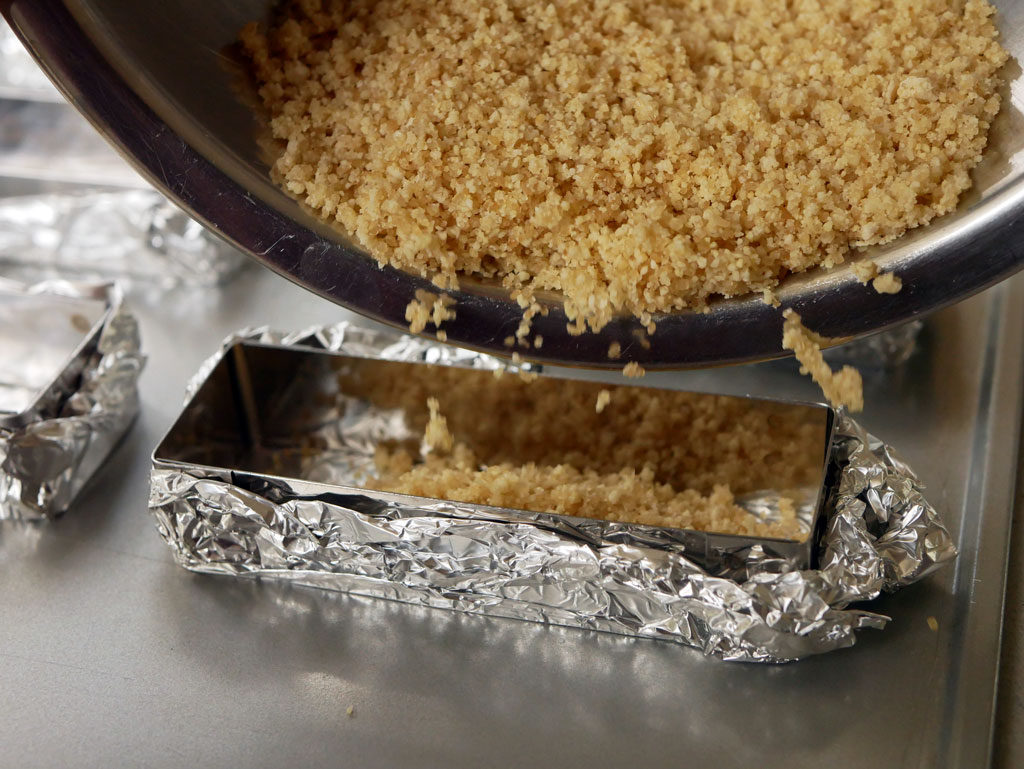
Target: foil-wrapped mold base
pixel 45 462
pixel 880 534
pixel 132 235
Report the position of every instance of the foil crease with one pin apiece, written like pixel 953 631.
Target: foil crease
pixel 133 234
pixel 47 461
pixel 880 534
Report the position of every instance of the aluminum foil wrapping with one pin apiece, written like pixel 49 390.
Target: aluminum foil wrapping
pixel 880 534
pixel 134 234
pixel 46 461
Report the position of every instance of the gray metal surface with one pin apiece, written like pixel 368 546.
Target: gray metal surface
pixel 160 81
pixel 110 655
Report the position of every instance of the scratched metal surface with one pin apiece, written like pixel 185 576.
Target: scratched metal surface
pixel 111 655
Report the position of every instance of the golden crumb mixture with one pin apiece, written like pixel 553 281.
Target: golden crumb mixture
pixel 427 308
pixel 844 388
pixel 636 155
pixel 436 436
pixel 633 370
pixel 865 271
pixel 581 448
pixel 887 283
pixel 628 496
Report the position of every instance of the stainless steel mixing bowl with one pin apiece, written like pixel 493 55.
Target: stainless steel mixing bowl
pixel 154 78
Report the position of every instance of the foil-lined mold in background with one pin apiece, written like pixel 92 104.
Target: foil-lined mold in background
pixel 877 532
pixel 135 236
pixel 70 361
pixel 90 216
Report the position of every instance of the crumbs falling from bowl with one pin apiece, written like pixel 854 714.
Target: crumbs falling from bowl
pixel 843 388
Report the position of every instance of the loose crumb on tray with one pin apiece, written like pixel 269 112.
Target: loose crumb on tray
pixel 603 399
pixel 639 156
pixel 843 388
pixel 933 624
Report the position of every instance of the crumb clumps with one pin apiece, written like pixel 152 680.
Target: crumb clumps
pixel 661 457
pixel 865 271
pixel 844 388
pixel 638 156
pixel 603 399
pixel 633 370
pixel 428 308
pixel 614 351
pixel 436 436
pixel 887 283
pixel 883 283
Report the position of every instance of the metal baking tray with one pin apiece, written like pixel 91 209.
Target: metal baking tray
pixel 137 658
pixel 255 414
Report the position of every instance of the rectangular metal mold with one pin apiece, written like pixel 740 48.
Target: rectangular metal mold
pixel 251 418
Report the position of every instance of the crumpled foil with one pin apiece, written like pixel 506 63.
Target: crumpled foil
pixel 133 234
pixel 880 534
pixel 45 462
